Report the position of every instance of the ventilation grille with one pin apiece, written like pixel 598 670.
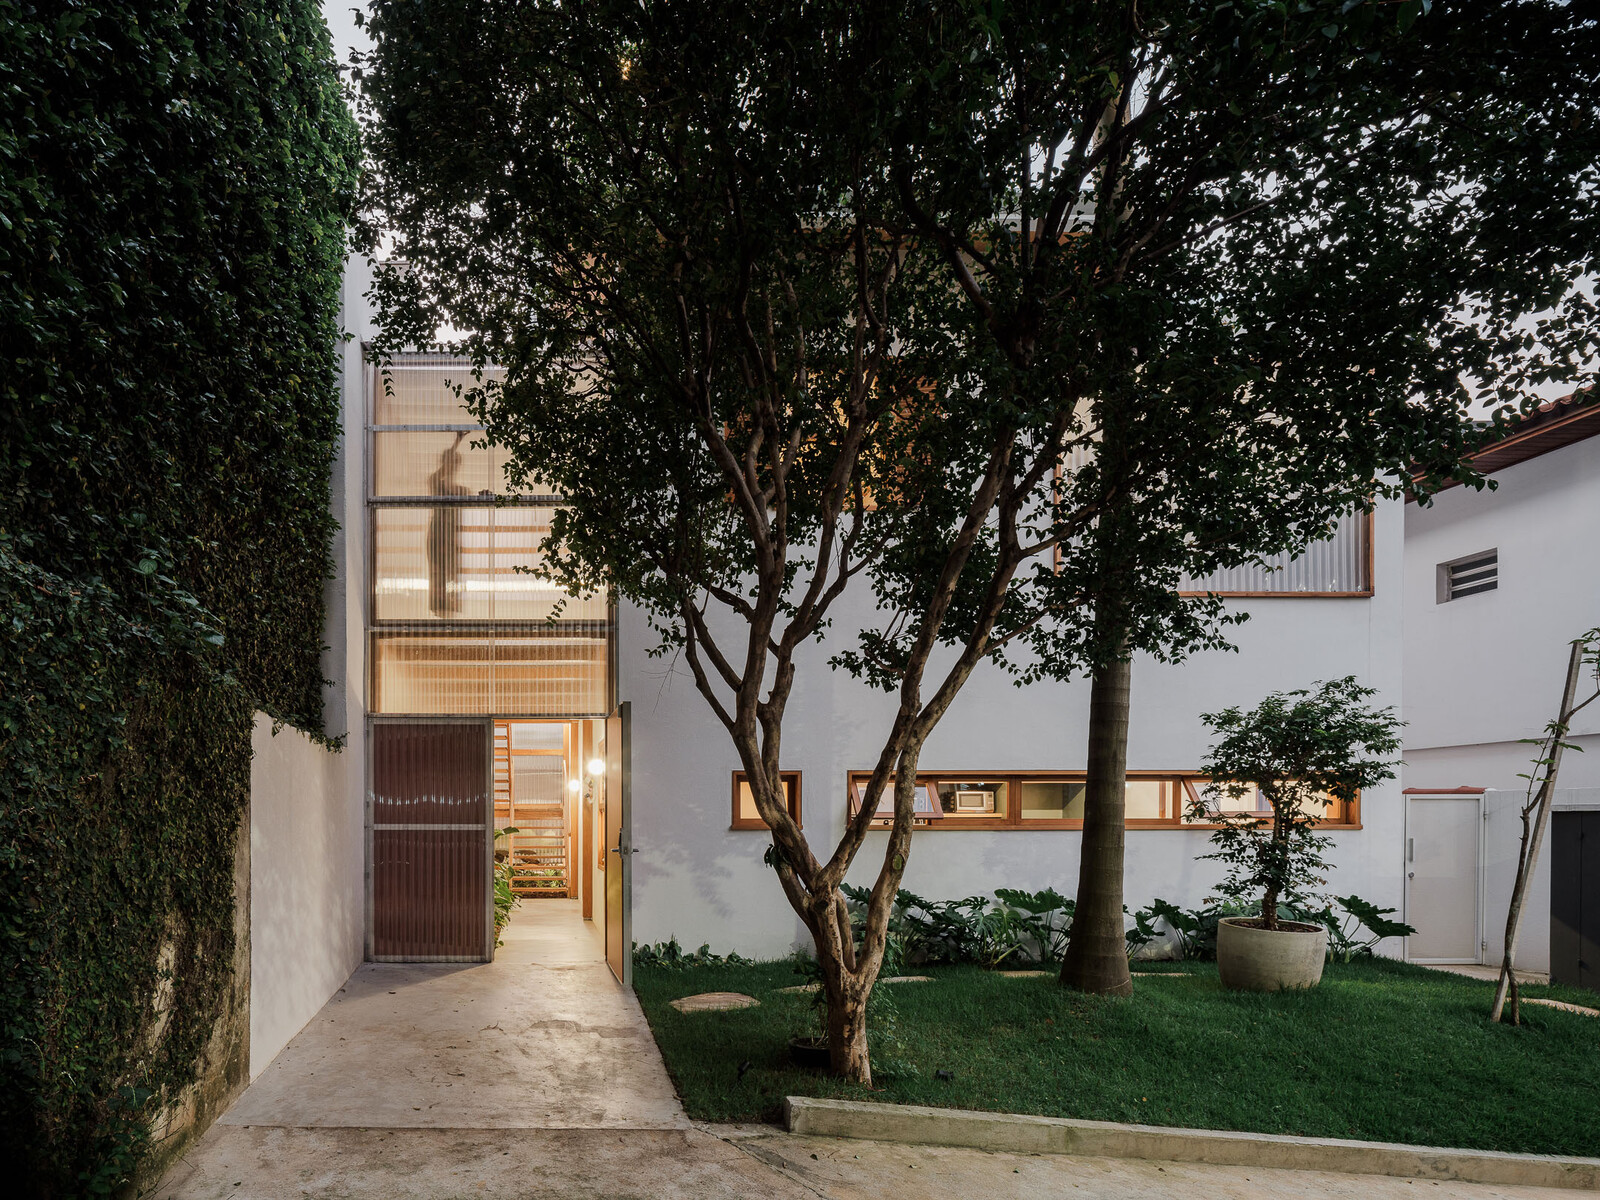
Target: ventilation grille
pixel 1469 576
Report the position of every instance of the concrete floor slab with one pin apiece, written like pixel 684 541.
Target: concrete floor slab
pixel 543 1037
pixel 724 1163
pixel 536 1077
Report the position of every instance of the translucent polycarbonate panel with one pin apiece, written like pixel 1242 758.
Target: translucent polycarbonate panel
pixel 540 673
pixel 538 779
pixel 538 735
pixel 421 389
pixel 422 462
pixel 514 669
pixel 430 841
pixel 1338 564
pixel 427 462
pixel 466 563
pixel 432 563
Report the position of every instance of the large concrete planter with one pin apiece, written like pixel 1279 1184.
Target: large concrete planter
pixel 1250 959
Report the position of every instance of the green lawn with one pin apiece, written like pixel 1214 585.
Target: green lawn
pixel 1381 1050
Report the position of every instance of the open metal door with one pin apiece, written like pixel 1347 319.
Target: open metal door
pixel 430 849
pixel 619 843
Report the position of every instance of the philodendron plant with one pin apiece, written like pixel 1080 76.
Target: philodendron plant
pixel 1299 750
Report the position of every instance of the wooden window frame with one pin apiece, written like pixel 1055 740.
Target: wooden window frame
pixel 791 779
pixel 1185 787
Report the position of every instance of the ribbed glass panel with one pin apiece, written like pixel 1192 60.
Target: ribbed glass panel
pixel 419 389
pixel 506 670
pixel 465 563
pixel 1338 565
pixel 430 841
pixel 426 462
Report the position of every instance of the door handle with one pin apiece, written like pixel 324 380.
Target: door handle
pixel 1411 874
pixel 1411 849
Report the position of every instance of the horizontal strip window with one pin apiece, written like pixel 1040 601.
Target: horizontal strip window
pixel 745 815
pixel 1469 576
pixel 1054 800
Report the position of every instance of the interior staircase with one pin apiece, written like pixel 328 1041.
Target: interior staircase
pixel 538 850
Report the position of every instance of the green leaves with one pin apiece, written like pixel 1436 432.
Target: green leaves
pixel 174 182
pixel 1299 749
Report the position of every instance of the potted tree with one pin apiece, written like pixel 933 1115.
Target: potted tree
pixel 1273 770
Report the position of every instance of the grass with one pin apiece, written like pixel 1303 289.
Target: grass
pixel 1382 1051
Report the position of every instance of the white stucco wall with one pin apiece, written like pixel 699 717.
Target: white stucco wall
pixel 307 854
pixel 1486 670
pixel 705 883
pixel 305 884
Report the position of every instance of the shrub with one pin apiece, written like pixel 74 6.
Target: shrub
pixel 1297 749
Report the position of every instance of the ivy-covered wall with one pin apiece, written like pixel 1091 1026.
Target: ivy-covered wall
pixel 175 177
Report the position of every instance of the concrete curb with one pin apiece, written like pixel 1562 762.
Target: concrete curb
pixel 1019 1134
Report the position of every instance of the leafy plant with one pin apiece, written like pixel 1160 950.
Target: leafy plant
pixel 1022 927
pixel 670 956
pixel 1299 750
pixel 1355 927
pixel 1047 919
pixel 504 877
pixel 1142 932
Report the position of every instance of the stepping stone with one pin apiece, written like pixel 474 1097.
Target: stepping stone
pixel 813 987
pixel 1024 974
pixel 714 1002
pixel 1563 1006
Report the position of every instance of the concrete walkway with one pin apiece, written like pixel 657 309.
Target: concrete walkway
pixel 536 1072
pixel 535 1076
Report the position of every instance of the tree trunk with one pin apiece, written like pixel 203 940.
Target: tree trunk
pixel 1097 950
pixel 1532 839
pixel 847 1038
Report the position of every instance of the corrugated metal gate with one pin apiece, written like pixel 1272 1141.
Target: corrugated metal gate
pixel 430 853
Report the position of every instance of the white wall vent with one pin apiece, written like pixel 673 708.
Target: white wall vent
pixel 1470 575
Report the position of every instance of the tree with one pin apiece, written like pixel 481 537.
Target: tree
pixel 1271 256
pixel 1537 804
pixel 1302 750
pixel 723 347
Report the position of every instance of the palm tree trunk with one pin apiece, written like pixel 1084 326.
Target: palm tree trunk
pixel 1097 957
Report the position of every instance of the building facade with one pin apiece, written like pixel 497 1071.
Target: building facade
pixel 1497 583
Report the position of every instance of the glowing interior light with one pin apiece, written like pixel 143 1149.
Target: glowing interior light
pixel 597 766
pixel 574 784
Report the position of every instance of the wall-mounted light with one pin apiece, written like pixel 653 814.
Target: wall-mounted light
pixel 574 784
pixel 597 766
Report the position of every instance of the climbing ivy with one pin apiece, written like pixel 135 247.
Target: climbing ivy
pixel 175 177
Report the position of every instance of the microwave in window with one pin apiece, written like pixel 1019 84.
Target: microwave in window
pixel 974 800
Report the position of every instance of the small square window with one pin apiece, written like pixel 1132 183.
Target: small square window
pixel 1468 576
pixel 745 815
